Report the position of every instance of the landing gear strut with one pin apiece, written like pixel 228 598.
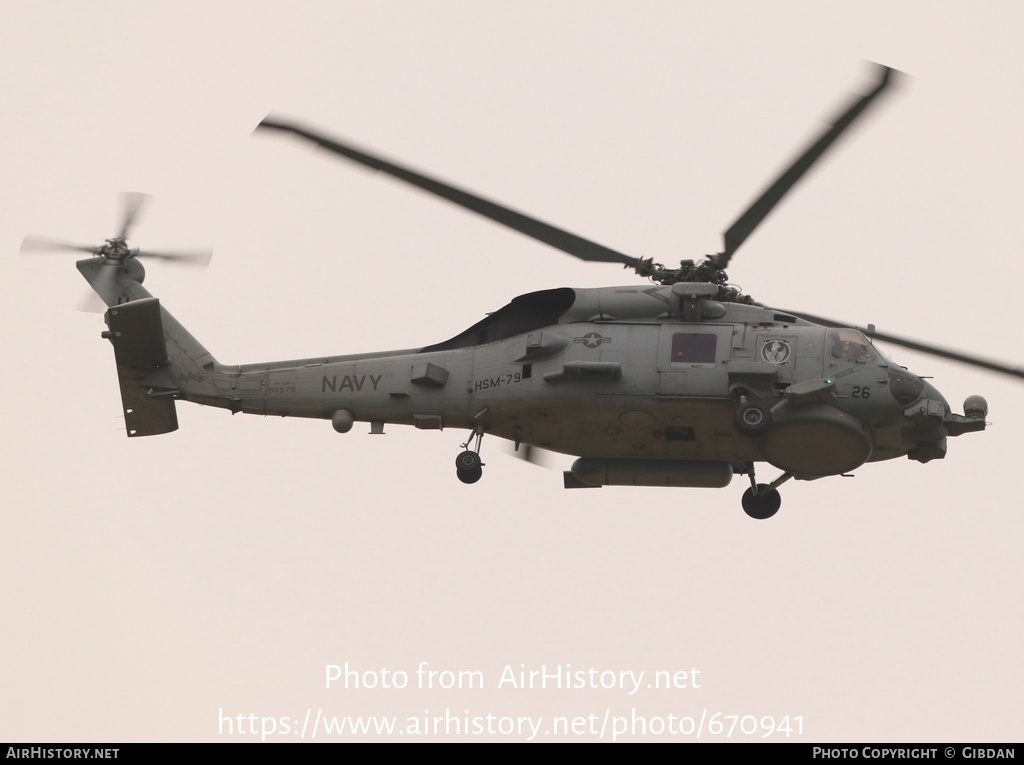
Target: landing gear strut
pixel 762 500
pixel 468 466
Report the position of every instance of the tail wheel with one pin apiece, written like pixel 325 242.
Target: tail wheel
pixel 468 467
pixel 468 460
pixel 470 475
pixel 762 504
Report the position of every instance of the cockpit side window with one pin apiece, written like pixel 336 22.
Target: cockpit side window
pixel 850 345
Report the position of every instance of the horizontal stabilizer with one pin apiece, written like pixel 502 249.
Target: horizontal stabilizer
pixel 136 331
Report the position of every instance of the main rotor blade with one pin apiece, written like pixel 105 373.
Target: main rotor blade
pixel 758 211
pixel 524 224
pixel 974 361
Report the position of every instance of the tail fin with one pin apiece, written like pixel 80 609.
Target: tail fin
pixel 158 360
pixel 137 333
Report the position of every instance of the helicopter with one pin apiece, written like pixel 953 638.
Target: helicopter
pixel 685 382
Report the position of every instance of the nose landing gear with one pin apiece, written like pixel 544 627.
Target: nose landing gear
pixel 468 466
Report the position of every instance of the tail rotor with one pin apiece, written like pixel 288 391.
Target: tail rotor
pixel 116 250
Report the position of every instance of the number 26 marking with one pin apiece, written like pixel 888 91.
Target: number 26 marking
pixel 861 391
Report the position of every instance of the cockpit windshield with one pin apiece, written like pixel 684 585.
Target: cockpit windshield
pixel 850 345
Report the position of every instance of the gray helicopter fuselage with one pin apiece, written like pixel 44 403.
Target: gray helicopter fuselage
pixel 632 383
pixel 610 375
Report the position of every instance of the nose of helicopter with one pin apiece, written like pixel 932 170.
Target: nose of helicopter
pixel 936 400
pixel 934 421
pixel 928 413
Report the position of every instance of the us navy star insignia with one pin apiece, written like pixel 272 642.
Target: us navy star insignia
pixel 592 339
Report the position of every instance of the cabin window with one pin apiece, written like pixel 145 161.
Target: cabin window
pixel 694 348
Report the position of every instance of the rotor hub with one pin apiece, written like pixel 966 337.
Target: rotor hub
pixel 116 249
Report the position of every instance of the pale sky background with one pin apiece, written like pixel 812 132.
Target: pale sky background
pixel 149 583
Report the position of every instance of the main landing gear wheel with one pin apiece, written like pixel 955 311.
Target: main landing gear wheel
pixel 763 504
pixel 468 467
pixel 753 419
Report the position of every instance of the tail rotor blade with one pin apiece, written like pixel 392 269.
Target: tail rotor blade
pixel 116 248
pixel 34 244
pixel 188 258
pixel 103 284
pixel 134 201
